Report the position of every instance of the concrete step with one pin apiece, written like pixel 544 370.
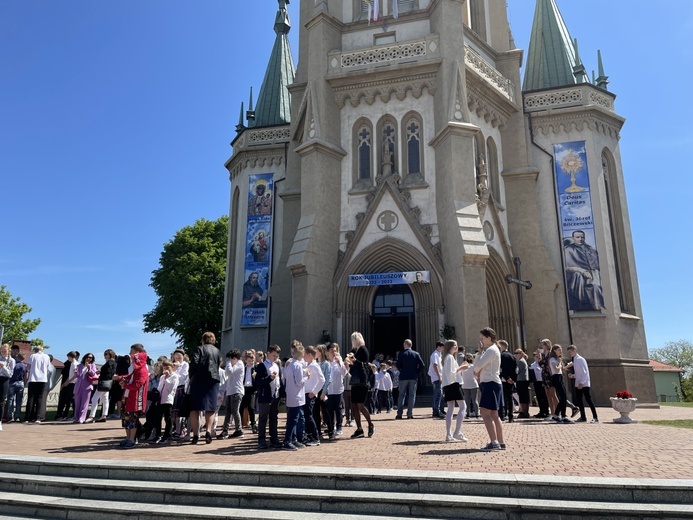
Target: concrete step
pixel 74 488
pixel 543 487
pixel 60 497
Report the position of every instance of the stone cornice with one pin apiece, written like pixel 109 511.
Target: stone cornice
pixel 582 95
pixel 454 128
pixel 487 73
pixel 320 145
pixel 253 159
pixel 487 104
pixel 595 119
pixel 370 88
pixel 325 17
pixel 521 174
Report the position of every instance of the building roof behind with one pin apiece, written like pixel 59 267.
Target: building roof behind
pixel 658 366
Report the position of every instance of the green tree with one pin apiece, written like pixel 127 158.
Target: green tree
pixel 190 283
pixel 12 312
pixel 677 353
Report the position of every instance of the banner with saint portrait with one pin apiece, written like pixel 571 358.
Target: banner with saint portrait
pixel 258 250
pixel 581 258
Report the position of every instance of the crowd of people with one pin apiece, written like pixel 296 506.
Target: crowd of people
pixel 179 397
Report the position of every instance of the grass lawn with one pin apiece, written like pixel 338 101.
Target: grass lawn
pixel 683 423
pixel 685 405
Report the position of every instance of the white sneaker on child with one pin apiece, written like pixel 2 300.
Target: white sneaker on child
pixel 460 437
pixel 449 438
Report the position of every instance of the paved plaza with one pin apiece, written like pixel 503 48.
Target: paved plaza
pixel 534 447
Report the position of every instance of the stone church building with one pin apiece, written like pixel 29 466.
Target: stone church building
pixel 396 181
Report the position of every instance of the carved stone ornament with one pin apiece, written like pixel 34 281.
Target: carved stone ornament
pixel 387 221
pixel 488 231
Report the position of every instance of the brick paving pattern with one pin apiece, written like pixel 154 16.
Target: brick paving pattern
pixel 534 447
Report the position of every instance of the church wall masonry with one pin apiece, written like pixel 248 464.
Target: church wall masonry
pixel 412 146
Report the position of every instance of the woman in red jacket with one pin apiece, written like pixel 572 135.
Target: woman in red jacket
pixel 135 394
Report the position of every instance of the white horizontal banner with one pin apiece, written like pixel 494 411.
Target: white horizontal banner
pixel 365 280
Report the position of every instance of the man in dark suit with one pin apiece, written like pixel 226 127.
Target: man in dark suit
pixel 410 364
pixel 508 373
pixel 267 382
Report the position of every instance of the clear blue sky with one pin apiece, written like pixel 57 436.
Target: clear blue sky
pixel 116 118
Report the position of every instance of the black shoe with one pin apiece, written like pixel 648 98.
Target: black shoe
pixel 237 433
pixel 371 429
pixel 263 445
pixel 208 437
pixel 195 438
pixel 222 436
pixel 398 417
pixel 358 434
pixel 276 445
pixel 575 412
pixel 289 446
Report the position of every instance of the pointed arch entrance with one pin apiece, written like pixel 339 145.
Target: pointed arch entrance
pixel 393 319
pixel 355 305
pixel 502 306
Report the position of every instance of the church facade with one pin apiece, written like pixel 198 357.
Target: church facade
pixel 397 181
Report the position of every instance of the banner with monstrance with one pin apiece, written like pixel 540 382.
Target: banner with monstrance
pixel 581 258
pixel 258 250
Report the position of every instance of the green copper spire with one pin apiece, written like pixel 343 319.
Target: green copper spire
pixel 274 102
pixel 240 126
pixel 579 69
pixel 250 114
pixel 551 55
pixel 603 79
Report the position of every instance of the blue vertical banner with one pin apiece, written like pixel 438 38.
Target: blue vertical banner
pixel 258 249
pixel 582 274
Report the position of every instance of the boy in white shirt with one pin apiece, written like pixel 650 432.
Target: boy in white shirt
pixel 383 383
pixel 168 382
pixel 295 376
pixel 316 380
pixel 234 370
pixel 335 391
pixel 470 388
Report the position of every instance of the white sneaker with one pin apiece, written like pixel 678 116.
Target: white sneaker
pixel 594 421
pixel 460 437
pixel 338 432
pixel 449 438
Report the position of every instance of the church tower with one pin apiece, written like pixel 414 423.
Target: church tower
pixel 415 173
pixel 575 133
pixel 257 166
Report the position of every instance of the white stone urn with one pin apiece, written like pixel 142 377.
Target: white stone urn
pixel 624 407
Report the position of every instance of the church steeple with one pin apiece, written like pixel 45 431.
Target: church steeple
pixel 603 80
pixel 274 102
pixel 551 57
pixel 579 69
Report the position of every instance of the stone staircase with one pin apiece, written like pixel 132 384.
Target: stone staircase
pixel 36 487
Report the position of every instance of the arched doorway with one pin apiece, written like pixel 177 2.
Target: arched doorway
pixel 502 306
pixel 354 305
pixel 393 319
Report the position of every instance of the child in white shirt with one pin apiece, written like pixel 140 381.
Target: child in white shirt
pixel 234 371
pixel 470 388
pixel 168 383
pixel 383 384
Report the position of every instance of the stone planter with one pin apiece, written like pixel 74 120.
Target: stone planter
pixel 624 407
